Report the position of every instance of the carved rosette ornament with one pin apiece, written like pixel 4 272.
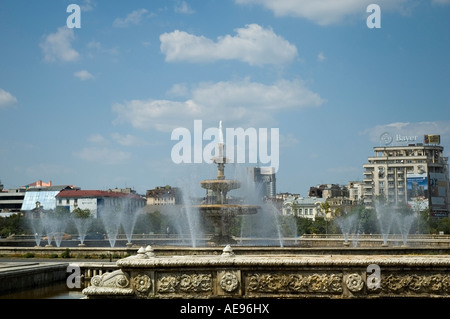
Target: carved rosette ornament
pixel 354 282
pixel 141 283
pixel 229 282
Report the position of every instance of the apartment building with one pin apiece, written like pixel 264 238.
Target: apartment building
pixel 409 174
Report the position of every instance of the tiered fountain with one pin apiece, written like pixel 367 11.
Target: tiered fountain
pixel 275 272
pixel 216 207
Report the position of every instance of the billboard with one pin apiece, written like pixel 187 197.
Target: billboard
pixel 438 190
pixel 431 139
pixel 416 185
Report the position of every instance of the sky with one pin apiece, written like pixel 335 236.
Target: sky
pixel 93 97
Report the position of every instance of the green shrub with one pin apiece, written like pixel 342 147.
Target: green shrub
pixel 65 253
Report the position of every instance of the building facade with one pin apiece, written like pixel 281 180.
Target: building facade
pixel 11 200
pixel 264 179
pixel 99 202
pixel 42 197
pixel 407 175
pixel 306 207
pixel 164 195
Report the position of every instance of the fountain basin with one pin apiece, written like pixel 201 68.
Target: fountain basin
pixel 221 216
pixel 220 184
pixel 227 209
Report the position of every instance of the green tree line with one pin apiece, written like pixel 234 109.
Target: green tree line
pixel 366 222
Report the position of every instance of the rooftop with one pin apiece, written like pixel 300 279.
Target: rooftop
pixel 78 193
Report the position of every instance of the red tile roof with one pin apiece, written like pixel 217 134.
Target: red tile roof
pixel 94 193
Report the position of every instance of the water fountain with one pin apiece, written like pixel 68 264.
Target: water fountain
pixel 404 223
pixel 128 222
pixel 217 208
pixel 111 221
pixel 349 225
pixel 37 228
pixel 115 217
pixel 263 272
pixel 82 220
pixel 385 219
pixel 54 227
pixel 392 218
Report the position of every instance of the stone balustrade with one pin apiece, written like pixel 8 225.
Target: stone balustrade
pixel 146 275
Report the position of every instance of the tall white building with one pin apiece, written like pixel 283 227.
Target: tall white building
pixel 409 174
pixel 265 180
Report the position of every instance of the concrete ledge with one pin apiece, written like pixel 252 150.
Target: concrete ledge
pixel 19 276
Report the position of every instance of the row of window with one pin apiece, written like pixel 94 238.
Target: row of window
pixel 302 211
pixel 391 184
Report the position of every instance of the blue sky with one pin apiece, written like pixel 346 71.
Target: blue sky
pixel 95 106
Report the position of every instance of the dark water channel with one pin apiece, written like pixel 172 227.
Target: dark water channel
pixel 55 291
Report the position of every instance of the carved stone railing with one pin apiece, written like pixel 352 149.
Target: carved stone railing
pixel 274 276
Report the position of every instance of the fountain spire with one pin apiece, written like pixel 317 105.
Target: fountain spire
pixel 220 132
pixel 220 160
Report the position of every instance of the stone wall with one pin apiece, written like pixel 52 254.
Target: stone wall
pixel 146 275
pixel 31 275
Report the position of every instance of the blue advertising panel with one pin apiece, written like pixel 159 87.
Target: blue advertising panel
pixel 417 185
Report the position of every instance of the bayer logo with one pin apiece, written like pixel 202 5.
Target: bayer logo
pixel 386 138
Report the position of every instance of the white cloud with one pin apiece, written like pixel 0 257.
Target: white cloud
pixel 178 90
pixel 134 17
pixel 128 140
pixel 418 129
pixel 183 7
pixel 321 57
pixel 103 155
pixel 242 103
pixel 253 44
pixel 87 5
pixel 161 115
pixel 325 12
pixel 83 75
pixel 288 140
pixel 441 2
pixel 97 139
pixel 58 46
pixel 6 99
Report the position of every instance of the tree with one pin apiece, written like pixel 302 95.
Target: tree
pixel 326 210
pixel 81 213
pixel 60 212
